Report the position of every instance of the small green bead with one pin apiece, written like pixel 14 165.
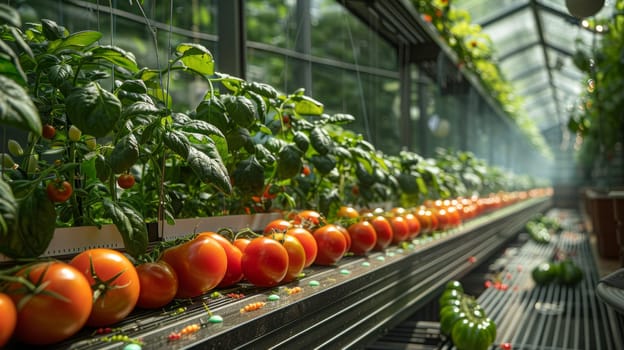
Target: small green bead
pixel 345 271
pixel 314 283
pixel 366 264
pixel 273 297
pixel 215 319
pixel 132 346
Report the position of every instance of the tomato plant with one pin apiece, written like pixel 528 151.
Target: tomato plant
pixel 296 255
pixel 8 318
pixel 114 281
pixel 234 271
pixel 54 306
pixel 59 191
pixel 200 265
pixel 363 237
pixel 383 229
pixel 400 229
pixel 125 180
pixel 265 262
pixel 307 241
pixel 331 243
pixel 158 284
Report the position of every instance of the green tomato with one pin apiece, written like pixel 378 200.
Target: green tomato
pixel 449 315
pixel 454 285
pixel 448 295
pixel 471 335
pixel 569 273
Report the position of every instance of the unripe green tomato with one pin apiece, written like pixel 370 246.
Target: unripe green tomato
pixel 15 148
pixel 33 162
pixel 91 142
pixel 74 133
pixel 7 161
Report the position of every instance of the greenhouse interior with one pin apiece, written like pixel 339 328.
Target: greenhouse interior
pixel 312 174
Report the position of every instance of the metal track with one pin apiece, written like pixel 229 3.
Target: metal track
pixel 530 317
pixel 356 301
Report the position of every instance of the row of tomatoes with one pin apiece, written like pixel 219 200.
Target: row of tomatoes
pixel 49 301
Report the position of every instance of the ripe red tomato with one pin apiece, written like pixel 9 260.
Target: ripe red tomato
pixel 400 229
pixel 8 320
pixel 158 284
pixel 383 229
pixel 59 191
pixel 426 222
pixel 454 218
pixel 331 243
pixel 125 180
pixel 277 226
pixel 200 264
pixel 305 170
pixel 363 237
pixel 296 255
pixel 307 241
pixel 241 243
pixel 114 281
pixel 265 262
pixel 346 235
pixel 42 318
pixel 413 224
pixel 234 271
pixel 443 218
pixel 309 219
pixel 48 131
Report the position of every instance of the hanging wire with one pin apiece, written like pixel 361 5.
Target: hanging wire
pixel 359 79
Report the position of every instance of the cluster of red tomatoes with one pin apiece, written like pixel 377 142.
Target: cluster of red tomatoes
pixel 49 301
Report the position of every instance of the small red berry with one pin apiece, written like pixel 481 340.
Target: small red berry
pixel 472 259
pixel 487 284
pixel 506 346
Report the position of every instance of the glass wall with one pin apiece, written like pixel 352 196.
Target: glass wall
pixel 313 44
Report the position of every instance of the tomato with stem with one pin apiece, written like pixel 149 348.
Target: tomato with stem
pixel 400 229
pixel 200 264
pixel 126 181
pixel 48 131
pixel 114 281
pixel 53 300
pixel 277 225
pixel 59 191
pixel 158 284
pixel 296 255
pixel 265 262
pixel 234 271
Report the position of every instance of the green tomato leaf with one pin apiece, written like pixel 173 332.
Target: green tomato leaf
pixel 233 84
pixel 76 41
pixel 177 142
pixel 209 168
pixel 241 109
pixel 320 140
pixel 130 224
pixel 93 109
pixel 308 106
pixel 261 106
pixel 140 108
pixel 16 108
pixel 323 163
pixel 264 155
pixel 52 31
pixel 213 111
pixel 8 209
pixel 102 168
pixel 302 141
pixel 10 16
pixel 125 154
pixel 116 56
pixel 30 238
pixel 60 73
pixel 135 86
pixel 249 176
pixel 289 162
pixel 264 90
pixel 196 57
pixel 238 138
pixel 340 119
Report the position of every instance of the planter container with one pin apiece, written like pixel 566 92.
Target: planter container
pixel 617 198
pixel 70 241
pixel 602 218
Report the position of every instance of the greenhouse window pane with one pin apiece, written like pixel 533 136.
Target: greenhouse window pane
pixel 524 83
pixel 482 9
pixel 512 32
pixel 530 57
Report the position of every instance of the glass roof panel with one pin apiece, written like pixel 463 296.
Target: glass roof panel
pixel 482 9
pixel 530 57
pixel 526 82
pixel 516 30
pixel 560 32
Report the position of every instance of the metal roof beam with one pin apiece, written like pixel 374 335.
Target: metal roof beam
pixel 517 50
pixel 508 12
